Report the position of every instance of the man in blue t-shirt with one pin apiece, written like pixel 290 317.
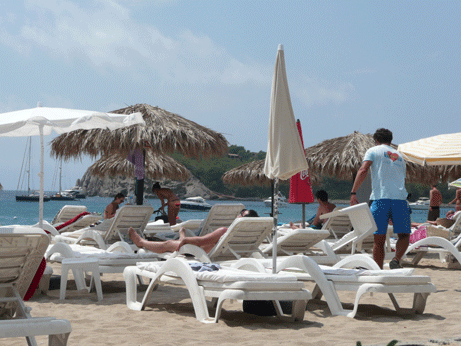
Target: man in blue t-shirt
pixel 388 194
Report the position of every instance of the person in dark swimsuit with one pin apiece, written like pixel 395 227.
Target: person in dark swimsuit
pixel 168 198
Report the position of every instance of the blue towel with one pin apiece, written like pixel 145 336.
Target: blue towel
pixel 202 267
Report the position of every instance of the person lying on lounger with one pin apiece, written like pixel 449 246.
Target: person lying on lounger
pixel 206 242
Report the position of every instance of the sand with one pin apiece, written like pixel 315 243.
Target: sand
pixel 170 320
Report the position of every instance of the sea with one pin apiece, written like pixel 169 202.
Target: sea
pixel 26 213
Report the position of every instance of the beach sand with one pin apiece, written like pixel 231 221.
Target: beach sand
pixel 170 320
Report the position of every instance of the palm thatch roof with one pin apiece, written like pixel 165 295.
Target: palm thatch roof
pixel 164 133
pixel 339 157
pixel 342 157
pixel 252 173
pixel 157 167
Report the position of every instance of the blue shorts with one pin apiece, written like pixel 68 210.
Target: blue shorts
pixel 396 210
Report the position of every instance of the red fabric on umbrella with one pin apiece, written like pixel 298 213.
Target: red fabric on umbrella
pixel 300 183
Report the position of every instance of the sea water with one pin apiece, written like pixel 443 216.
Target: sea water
pixel 26 213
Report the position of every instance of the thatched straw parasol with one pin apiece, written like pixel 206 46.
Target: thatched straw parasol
pixel 164 133
pixel 342 157
pixel 339 157
pixel 157 167
pixel 252 173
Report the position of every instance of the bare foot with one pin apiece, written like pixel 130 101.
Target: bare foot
pixel 135 237
pixel 182 233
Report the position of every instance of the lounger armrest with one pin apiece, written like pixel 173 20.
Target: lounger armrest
pixel 120 246
pixel 90 234
pixel 196 251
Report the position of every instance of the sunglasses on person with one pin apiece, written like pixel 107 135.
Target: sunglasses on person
pixel 243 212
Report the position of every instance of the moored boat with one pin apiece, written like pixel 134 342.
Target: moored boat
pixel 282 201
pixel 421 204
pixel 195 203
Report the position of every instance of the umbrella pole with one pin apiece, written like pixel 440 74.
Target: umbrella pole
pixel 304 215
pixel 139 186
pixel 42 178
pixel 274 230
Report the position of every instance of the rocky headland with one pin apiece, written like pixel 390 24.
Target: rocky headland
pixel 109 186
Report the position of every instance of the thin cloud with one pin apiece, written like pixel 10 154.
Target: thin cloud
pixel 109 39
pixel 316 92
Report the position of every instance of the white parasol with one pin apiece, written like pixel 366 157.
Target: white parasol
pixel 437 150
pixel 41 121
pixel 285 154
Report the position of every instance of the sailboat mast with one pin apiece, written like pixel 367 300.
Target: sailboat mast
pixel 28 169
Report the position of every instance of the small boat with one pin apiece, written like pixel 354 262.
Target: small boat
pixel 421 204
pixel 76 191
pixel 62 196
pixel 195 203
pixel 282 201
pixel 32 197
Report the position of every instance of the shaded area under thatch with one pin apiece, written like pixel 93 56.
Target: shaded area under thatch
pixel 252 173
pixel 339 158
pixel 164 133
pixel 157 167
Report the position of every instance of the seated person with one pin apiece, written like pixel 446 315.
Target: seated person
pixel 110 210
pixel 206 242
pixel 324 208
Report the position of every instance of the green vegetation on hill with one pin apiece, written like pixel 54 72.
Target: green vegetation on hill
pixel 210 172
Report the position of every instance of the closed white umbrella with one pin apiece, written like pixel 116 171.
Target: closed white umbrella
pixel 285 153
pixel 432 151
pixel 41 121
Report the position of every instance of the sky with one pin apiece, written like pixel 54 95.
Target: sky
pixel 351 66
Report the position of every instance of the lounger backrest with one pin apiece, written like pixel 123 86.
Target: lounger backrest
pixel 363 225
pixel 243 237
pixel 220 215
pixel 298 241
pixel 68 212
pixel 455 229
pixel 21 251
pixel 135 216
pixel 338 225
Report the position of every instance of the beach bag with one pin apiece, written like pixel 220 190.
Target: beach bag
pixel 266 307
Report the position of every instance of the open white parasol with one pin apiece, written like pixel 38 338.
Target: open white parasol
pixel 42 121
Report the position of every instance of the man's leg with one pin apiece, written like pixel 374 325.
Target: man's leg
pixel 154 246
pixel 402 227
pixel 378 249
pixel 206 242
pixel 401 246
pixel 380 210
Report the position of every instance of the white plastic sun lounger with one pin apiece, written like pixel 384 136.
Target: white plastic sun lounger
pixel 21 252
pixel 68 212
pixel 330 280
pixel 135 216
pixel 112 260
pixel 219 285
pixel 451 244
pixel 220 215
pixel 298 241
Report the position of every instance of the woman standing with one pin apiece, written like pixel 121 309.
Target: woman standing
pixel 168 198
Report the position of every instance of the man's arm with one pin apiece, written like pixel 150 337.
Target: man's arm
pixel 359 179
pixel 316 221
